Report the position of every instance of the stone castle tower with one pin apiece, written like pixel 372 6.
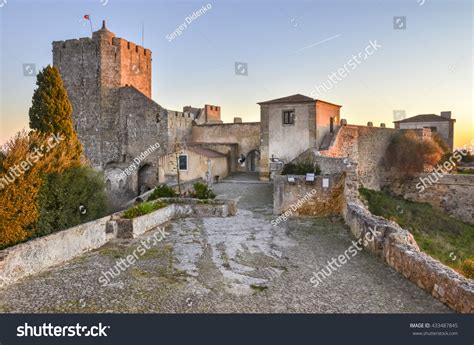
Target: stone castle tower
pixel 108 80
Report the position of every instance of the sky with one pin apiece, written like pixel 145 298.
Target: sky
pixel 423 63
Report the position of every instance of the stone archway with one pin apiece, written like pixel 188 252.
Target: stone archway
pixel 145 176
pixel 115 180
pixel 252 162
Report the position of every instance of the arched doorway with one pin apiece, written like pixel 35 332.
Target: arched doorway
pixel 144 179
pixel 253 160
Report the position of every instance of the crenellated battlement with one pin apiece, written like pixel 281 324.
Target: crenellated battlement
pixel 94 70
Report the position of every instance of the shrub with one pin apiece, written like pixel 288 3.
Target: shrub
pixel 202 191
pixel 143 208
pixel 162 191
pixel 70 198
pixel 301 168
pixel 467 157
pixel 467 268
pixel 19 208
pixel 409 154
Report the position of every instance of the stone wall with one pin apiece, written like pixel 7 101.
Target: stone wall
pixel 398 248
pixel 308 198
pixel 366 146
pixel 454 194
pixel 39 254
pixel 328 165
pixel 108 80
pixel 179 127
pixel 93 71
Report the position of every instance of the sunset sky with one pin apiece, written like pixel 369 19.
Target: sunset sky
pixel 290 47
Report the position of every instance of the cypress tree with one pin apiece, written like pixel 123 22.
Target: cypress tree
pixel 51 110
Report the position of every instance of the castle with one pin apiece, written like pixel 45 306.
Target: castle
pixel 109 79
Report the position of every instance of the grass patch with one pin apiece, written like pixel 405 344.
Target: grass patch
pixel 445 238
pixel 143 208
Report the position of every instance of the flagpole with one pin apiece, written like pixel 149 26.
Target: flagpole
pixel 90 22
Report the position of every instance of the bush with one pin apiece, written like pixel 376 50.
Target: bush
pixel 19 206
pixel 467 157
pixel 202 191
pixel 409 154
pixel 143 208
pixel 467 268
pixel 70 198
pixel 162 191
pixel 300 168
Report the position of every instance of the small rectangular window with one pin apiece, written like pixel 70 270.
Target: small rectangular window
pixel 288 117
pixel 183 162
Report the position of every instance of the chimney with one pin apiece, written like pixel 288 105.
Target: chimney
pixel 446 114
pixel 237 120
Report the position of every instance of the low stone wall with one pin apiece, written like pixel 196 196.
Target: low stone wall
pixel 308 198
pixel 178 208
pixel 398 248
pixel 451 193
pixel 42 253
pixel 38 254
pixel 328 165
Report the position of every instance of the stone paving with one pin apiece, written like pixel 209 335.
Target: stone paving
pixel 226 265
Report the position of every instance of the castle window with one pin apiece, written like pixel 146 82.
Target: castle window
pixel 288 117
pixel 183 162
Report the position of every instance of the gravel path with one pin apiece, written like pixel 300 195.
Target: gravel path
pixel 226 265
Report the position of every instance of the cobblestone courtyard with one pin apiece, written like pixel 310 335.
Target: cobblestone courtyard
pixel 226 265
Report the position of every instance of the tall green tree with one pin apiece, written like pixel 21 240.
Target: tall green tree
pixel 51 110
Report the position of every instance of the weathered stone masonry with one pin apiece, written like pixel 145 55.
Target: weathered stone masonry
pixel 108 80
pixel 39 254
pixel 451 193
pixel 398 248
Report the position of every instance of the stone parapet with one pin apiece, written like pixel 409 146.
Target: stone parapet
pixel 39 254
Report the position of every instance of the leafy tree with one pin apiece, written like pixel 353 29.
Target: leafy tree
pixel 19 198
pixel 73 197
pixel 408 154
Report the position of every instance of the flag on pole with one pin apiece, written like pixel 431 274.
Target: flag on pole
pixel 88 17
